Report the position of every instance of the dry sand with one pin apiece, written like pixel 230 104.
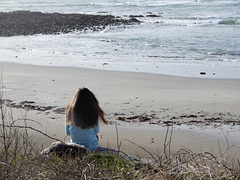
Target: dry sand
pixel 197 108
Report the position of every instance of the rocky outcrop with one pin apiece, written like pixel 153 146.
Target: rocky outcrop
pixel 30 23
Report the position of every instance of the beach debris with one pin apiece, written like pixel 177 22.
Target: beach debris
pixel 168 123
pixel 141 118
pixel 144 118
pixel 117 114
pixel 184 116
pixel 6 101
pixel 60 110
pixel 171 123
pixel 29 105
pixel 157 122
pixel 27 102
pixel 215 120
pixel 163 109
pixel 199 118
pixel 194 121
pixel 189 116
pixel 212 119
pixel 133 117
pixel 121 118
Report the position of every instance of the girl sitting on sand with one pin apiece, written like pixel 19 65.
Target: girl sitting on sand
pixel 82 119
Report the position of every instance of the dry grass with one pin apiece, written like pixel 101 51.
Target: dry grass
pixel 20 158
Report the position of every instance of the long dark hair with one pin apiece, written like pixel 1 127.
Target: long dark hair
pixel 84 110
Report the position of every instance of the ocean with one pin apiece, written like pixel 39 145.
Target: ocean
pixel 189 38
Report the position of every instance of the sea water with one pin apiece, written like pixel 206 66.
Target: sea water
pixel 192 38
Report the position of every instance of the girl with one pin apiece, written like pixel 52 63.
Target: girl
pixel 82 119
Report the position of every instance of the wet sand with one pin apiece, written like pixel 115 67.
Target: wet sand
pixel 140 107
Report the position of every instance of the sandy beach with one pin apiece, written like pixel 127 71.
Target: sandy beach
pixel 204 113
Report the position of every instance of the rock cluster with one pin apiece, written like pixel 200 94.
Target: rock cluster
pixel 30 23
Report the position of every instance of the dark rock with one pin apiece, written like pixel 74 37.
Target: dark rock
pixel 136 16
pixel 28 23
pixel 153 15
pixel 61 149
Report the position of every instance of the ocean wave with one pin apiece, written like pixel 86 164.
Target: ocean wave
pixel 224 53
pixel 189 21
pixel 229 22
pixel 194 21
pixel 166 57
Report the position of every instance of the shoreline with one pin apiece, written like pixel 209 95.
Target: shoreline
pixel 164 99
pixel 167 74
